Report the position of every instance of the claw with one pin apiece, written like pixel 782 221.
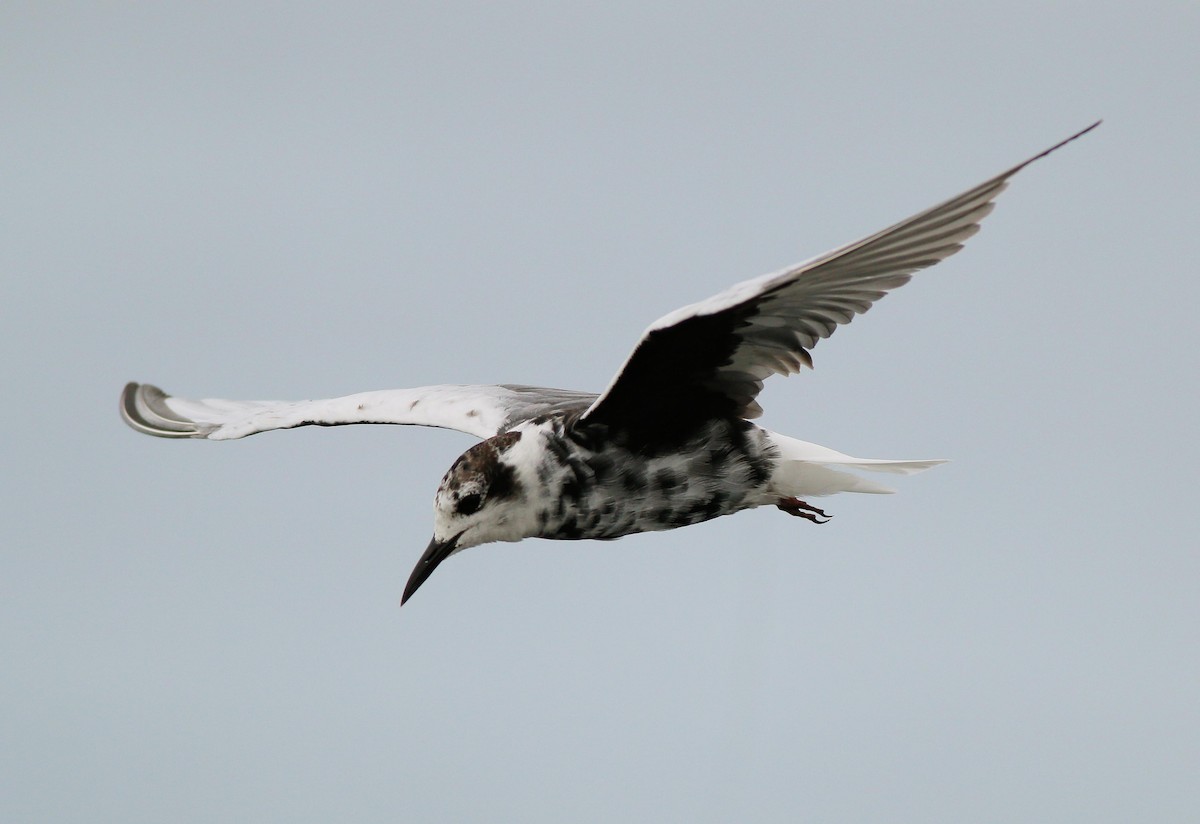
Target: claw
pixel 797 507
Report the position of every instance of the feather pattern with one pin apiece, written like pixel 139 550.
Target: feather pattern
pixel 482 411
pixel 709 359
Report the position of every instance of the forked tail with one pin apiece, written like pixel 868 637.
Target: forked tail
pixel 810 470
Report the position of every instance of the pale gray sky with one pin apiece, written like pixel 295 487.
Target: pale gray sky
pixel 285 200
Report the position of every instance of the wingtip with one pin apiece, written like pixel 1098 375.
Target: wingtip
pixel 1059 145
pixel 1077 134
pixel 144 409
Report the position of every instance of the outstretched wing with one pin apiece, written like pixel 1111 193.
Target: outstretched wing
pixel 709 359
pixel 482 411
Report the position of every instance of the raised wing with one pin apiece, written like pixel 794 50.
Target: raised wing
pixel 709 359
pixel 482 411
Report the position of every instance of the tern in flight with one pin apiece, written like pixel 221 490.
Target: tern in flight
pixel 668 443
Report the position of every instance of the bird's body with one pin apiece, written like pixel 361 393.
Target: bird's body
pixel 668 443
pixel 580 484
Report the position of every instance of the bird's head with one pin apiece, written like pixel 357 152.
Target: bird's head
pixel 481 499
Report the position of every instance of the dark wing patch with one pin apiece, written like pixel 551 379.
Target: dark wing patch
pixel 710 359
pixel 667 388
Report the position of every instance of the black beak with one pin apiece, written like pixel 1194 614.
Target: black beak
pixel 434 555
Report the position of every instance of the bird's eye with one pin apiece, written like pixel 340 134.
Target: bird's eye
pixel 469 504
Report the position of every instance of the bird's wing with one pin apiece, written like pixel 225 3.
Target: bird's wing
pixel 482 411
pixel 709 359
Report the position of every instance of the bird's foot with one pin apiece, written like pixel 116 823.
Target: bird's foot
pixel 797 507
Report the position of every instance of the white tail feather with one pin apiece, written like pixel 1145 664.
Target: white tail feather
pixel 808 469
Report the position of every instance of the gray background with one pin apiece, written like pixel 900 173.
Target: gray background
pixel 286 200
